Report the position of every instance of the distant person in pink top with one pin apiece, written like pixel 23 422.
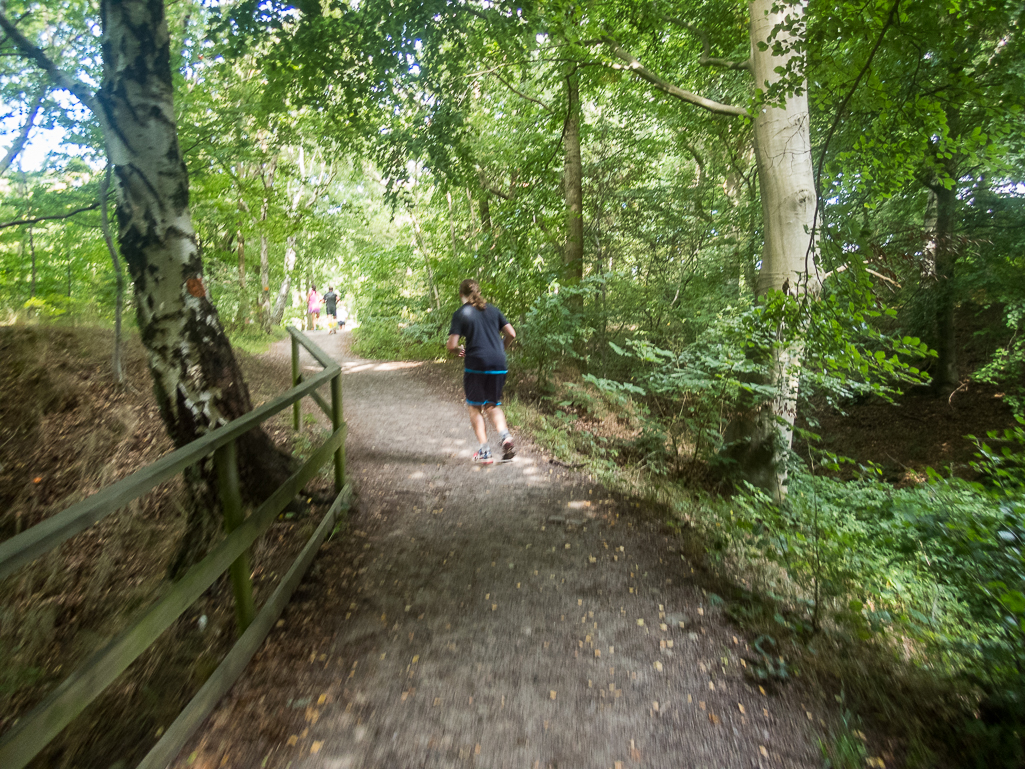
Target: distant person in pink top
pixel 313 302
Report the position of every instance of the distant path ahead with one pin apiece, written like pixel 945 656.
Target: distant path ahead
pixel 513 616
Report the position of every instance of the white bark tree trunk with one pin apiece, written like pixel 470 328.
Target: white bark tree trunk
pixel 286 284
pixel 197 382
pixel 786 174
pixel 786 178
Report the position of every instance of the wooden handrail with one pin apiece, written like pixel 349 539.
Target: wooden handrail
pixel 34 731
pixel 43 537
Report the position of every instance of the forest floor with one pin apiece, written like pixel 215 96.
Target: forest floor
pixel 516 615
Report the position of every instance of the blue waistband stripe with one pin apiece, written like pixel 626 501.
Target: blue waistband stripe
pixel 472 371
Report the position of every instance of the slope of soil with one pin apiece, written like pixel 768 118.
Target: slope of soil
pixel 920 430
pixel 510 616
pixel 67 430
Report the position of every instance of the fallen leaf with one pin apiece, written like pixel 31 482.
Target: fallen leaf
pixel 316 746
pixel 741 708
pixel 552 694
pixel 293 739
pixel 713 718
pixel 640 623
pixel 658 666
pixel 763 751
pixel 322 699
pixel 875 763
pixel 37 479
pixel 762 690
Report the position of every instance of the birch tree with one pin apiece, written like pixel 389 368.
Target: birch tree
pixel 196 378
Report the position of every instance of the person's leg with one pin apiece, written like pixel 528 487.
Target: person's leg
pixel 480 428
pixel 498 419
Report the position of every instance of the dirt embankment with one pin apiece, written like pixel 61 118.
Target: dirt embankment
pixel 67 430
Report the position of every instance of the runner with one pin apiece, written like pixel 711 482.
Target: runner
pixel 484 368
pixel 331 309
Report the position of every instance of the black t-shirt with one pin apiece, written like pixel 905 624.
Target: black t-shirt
pixel 485 351
pixel 329 300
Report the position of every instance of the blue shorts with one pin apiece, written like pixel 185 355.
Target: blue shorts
pixel 483 389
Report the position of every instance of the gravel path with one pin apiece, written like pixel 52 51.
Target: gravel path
pixel 512 616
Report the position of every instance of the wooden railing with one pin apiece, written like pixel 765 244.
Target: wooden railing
pixel 36 729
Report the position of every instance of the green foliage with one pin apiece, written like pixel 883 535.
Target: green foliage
pixel 554 331
pixel 384 338
pixel 844 748
pixel 941 564
pixel 253 340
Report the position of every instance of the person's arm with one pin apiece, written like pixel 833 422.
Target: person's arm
pixel 510 333
pixel 453 345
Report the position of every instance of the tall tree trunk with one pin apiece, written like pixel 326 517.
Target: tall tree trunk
pixel 452 225
pixel 418 243
pixel 761 437
pixel 485 213
pixel 267 175
pixel 286 284
pixel 197 381
pixel 572 182
pixel 119 278
pixel 945 378
pixel 32 256
pixel 240 313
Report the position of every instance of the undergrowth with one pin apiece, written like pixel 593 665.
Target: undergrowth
pixel 908 602
pixel 390 339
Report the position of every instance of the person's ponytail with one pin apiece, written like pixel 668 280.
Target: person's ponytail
pixel 471 290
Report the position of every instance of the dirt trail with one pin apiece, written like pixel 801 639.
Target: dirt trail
pixel 512 616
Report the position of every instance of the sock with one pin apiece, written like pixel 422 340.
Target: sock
pixel 505 436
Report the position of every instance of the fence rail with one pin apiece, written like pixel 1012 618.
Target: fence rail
pixel 36 729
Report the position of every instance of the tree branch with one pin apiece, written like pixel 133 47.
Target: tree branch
pixel 30 121
pixel 645 74
pixel 541 104
pixel 52 217
pixel 60 78
pixel 705 59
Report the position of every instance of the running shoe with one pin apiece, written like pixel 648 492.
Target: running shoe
pixel 508 450
pixel 483 457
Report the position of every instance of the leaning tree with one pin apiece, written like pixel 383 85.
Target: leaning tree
pixel 196 378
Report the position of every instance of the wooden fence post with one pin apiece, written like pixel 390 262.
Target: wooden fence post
pixel 226 459
pixel 296 376
pixel 336 422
